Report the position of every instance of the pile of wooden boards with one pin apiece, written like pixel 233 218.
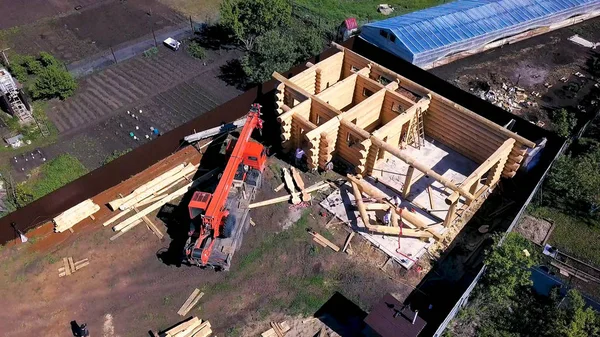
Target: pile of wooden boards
pixel 70 267
pixel 193 327
pixel 152 196
pixel 74 215
pixel 190 302
pixel 277 330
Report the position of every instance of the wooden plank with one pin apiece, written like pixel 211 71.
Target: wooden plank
pixel 321 243
pixel 191 305
pixel 74 215
pixel 277 329
pixel 289 183
pixel 67 267
pixel 300 183
pixel 430 195
pixel 278 188
pixel 182 326
pixel 348 239
pixel 312 188
pixel 325 241
pixel 71 264
pixel 124 230
pixel 178 193
pixel 115 204
pixel 151 225
pixel 285 327
pixel 188 301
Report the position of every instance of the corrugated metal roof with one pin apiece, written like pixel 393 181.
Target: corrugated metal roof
pixel 464 19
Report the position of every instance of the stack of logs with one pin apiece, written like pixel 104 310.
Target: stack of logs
pixel 152 195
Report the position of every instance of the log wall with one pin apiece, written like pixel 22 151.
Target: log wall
pixel 341 94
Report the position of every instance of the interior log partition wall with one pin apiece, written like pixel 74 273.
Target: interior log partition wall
pixel 353 109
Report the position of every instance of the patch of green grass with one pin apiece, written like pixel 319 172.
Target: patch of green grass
pixel 51 258
pixel 233 331
pixel 49 177
pixel 573 235
pixel 196 50
pixel 151 52
pixel 166 300
pixel 114 155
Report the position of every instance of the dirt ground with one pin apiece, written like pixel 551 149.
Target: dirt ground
pixel 533 229
pixel 170 88
pixel 202 11
pixel 543 66
pixel 127 290
pixel 78 34
pixel 17 13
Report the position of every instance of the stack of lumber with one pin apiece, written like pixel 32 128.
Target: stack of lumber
pixel 277 330
pixel 70 267
pixel 193 327
pixel 153 195
pixel 190 302
pixel 75 214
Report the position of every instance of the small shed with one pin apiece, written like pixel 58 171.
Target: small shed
pixel 15 142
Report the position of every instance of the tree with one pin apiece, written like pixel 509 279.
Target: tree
pixel 508 267
pixel 564 122
pixel 574 182
pixel 576 320
pixel 249 19
pixel 53 82
pixel 273 52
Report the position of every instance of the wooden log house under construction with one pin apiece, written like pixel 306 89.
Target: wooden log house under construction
pixel 441 158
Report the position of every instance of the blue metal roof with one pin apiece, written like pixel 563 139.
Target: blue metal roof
pixel 461 20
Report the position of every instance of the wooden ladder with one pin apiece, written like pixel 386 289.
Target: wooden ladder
pixel 416 132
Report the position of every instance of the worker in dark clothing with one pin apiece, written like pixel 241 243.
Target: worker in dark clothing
pixel 81 330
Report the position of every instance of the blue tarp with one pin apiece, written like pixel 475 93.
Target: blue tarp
pixel 422 37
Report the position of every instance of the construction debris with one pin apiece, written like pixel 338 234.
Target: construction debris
pixel 70 267
pixel 193 327
pixel 190 302
pixel 74 215
pixel 289 183
pixel 583 42
pixel 300 183
pixel 283 327
pixel 348 239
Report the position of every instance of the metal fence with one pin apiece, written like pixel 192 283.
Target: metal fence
pixel 130 49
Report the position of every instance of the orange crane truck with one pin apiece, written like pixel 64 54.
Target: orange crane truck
pixel 219 220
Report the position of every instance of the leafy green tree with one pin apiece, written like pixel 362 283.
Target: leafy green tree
pixel 249 19
pixel 51 82
pixel 273 52
pixel 564 122
pixel 576 320
pixel 33 66
pixel 508 267
pixel 574 182
pixel 48 59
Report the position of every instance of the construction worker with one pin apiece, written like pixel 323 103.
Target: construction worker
pixel 387 217
pixel 396 201
pixel 298 157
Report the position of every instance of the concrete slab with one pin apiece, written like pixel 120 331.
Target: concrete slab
pixel 406 251
pixel 441 159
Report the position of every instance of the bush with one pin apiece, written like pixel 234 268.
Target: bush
pixel 53 82
pixel 564 122
pixel 49 177
pixel 34 67
pixel 47 60
pixel 196 50
pixel 151 52
pixel 18 71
